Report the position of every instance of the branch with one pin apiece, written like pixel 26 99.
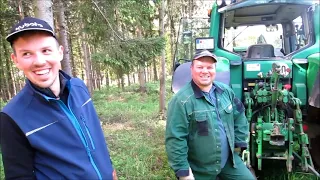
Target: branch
pixel 107 21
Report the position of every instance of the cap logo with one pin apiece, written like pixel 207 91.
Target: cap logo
pixel 34 24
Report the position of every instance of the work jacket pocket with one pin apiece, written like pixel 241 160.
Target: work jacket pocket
pixel 202 125
pixel 228 109
pixel 227 113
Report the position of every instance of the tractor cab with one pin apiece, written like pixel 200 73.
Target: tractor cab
pixel 268 53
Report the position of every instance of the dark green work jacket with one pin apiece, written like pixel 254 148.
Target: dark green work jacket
pixel 192 130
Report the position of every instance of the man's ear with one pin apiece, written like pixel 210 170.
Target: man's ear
pixel 61 49
pixel 15 60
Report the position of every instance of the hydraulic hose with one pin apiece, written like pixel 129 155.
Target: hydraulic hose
pixel 309 167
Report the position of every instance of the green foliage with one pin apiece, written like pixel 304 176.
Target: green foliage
pixel 2 103
pixel 128 54
pixel 1 167
pixel 114 33
pixel 136 13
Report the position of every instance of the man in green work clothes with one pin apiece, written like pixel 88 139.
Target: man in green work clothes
pixel 206 122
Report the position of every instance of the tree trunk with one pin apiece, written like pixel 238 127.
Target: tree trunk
pixel 20 9
pixel 122 82
pixel 134 77
pixel 87 67
pixel 155 73
pixel 91 69
pixel 94 75
pixel 162 101
pixel 142 80
pixel 99 76
pixel 145 70
pixel 15 78
pixel 118 82
pixel 43 10
pixel 128 76
pixel 4 85
pixel 81 54
pixel 72 59
pixel 2 76
pixel 6 54
pixel 63 37
pixel 107 79
pixel 141 70
pixel 150 72
pixel 172 41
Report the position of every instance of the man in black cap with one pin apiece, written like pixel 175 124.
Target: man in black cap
pixel 50 129
pixel 205 123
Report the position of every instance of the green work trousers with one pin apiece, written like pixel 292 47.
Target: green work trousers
pixel 241 172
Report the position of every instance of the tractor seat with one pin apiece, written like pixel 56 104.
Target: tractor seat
pixel 259 51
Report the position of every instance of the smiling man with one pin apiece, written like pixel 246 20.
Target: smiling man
pixel 205 123
pixel 50 129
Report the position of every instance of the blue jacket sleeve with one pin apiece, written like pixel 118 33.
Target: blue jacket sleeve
pixel 17 153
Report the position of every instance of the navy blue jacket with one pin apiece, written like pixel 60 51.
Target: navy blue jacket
pixel 61 137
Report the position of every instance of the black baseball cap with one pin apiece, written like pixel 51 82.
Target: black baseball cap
pixel 204 53
pixel 27 24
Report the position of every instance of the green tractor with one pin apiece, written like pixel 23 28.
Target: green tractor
pixel 268 52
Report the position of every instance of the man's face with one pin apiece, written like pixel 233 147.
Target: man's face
pixel 38 56
pixel 203 72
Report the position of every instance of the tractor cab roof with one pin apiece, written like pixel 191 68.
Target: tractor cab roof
pixel 264 12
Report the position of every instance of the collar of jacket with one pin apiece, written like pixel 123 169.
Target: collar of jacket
pixel 198 92
pixel 46 92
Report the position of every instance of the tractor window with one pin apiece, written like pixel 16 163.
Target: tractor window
pixel 240 38
pixel 301 32
pixel 190 29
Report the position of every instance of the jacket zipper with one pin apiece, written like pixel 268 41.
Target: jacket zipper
pixel 88 132
pixel 80 132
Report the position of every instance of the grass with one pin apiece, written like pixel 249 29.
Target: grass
pixel 276 170
pixel 135 135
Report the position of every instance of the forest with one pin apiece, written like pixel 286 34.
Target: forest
pixel 106 42
pixel 114 46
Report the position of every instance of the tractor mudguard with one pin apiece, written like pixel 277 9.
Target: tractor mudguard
pixel 314 98
pixel 181 76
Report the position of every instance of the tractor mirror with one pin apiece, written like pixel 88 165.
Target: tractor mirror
pixel 272 28
pixel 204 43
